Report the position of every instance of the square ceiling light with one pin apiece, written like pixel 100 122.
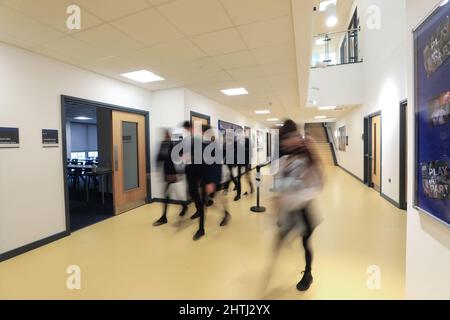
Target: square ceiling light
pixel 235 92
pixel 328 108
pixel 142 76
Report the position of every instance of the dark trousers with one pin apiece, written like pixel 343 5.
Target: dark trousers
pixel 232 178
pixel 302 216
pixel 167 198
pixel 198 195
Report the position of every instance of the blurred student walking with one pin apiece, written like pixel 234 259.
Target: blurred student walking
pixel 171 176
pixel 299 181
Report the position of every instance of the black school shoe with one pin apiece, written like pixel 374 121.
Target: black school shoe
pixel 226 219
pixel 183 212
pixel 161 221
pixel 198 235
pixel 306 281
pixel 195 216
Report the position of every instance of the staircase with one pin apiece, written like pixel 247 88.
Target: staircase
pixel 323 147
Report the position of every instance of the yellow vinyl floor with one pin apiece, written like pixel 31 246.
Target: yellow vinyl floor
pixel 126 258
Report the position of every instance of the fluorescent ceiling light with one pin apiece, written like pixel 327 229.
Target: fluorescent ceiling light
pixel 142 76
pixel 262 111
pixel 332 21
pixel 273 119
pixel 82 118
pixel 280 124
pixel 235 92
pixel 328 108
pixel 324 4
pixel 320 117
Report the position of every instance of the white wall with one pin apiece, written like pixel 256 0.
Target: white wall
pixel 428 241
pixel 384 87
pixel 32 196
pixel 327 93
pixel 169 112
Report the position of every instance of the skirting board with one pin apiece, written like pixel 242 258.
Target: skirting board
pixel 391 201
pixel 353 175
pixel 32 246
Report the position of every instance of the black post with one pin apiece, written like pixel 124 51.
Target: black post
pixel 258 208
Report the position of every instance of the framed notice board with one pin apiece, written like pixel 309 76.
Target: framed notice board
pixel 432 112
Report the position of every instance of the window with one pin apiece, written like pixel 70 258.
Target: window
pixel 78 155
pixel 93 154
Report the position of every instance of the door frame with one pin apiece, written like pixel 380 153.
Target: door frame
pixel 403 172
pixel 368 148
pixel 65 100
pixel 199 115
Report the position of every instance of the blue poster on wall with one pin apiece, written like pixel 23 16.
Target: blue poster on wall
pixel 432 65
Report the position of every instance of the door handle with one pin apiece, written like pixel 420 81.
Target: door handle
pixel 116 158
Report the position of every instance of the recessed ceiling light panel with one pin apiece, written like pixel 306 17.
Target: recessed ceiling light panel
pixel 142 76
pixel 235 92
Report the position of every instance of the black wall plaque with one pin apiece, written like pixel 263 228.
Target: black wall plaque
pixel 49 137
pixel 9 137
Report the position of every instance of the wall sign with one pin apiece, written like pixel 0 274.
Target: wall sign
pixel 50 138
pixel 432 86
pixel 9 137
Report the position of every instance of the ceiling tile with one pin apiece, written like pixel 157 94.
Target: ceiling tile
pixel 51 12
pixel 112 66
pixel 280 68
pixel 148 27
pixel 193 67
pixel 108 39
pixel 7 38
pixel 248 11
pixel 196 16
pixel 273 54
pixel 75 48
pixel 49 53
pixel 221 42
pixel 268 33
pixel 247 72
pixel 112 9
pixel 236 60
pixel 167 53
pixel 158 2
pixel 207 78
pixel 24 29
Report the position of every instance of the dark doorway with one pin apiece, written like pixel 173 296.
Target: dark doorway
pixel 90 161
pixel 403 166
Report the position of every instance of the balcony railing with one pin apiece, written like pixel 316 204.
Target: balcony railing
pixel 336 48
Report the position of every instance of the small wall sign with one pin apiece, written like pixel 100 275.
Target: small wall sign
pixel 50 138
pixel 9 138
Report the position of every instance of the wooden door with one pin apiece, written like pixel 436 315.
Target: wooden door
pixel 376 152
pixel 129 156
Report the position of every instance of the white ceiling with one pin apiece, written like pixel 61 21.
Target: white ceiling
pixel 205 45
